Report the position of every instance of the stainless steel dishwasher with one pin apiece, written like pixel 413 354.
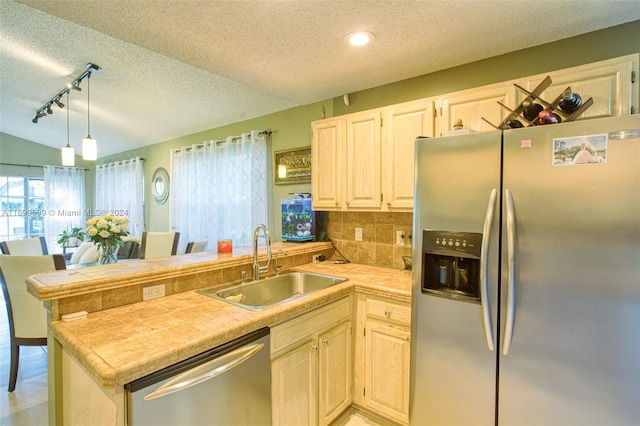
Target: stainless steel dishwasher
pixel 227 385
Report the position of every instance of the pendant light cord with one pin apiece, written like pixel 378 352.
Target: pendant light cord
pixel 88 105
pixel 68 108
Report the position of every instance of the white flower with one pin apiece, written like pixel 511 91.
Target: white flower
pixel 104 234
pixel 92 232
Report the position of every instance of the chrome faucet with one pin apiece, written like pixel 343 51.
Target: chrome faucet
pixel 283 251
pixel 257 269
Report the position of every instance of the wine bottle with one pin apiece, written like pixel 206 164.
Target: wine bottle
pixel 531 110
pixel 569 101
pixel 513 124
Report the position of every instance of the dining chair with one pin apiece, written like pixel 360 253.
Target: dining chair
pixel 27 316
pixel 25 247
pixel 158 244
pixel 196 246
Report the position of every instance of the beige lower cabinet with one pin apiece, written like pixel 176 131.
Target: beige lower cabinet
pixel 311 366
pixel 383 345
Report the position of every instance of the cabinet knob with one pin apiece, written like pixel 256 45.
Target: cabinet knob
pixel 337 204
pixel 409 339
pixel 347 202
pixel 387 313
pixel 388 203
pixel 315 348
pixel 326 342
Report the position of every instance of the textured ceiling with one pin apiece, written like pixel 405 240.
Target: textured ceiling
pixel 172 68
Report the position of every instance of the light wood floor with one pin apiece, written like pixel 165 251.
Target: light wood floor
pixel 27 405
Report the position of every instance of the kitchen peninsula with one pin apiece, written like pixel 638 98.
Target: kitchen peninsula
pixel 124 338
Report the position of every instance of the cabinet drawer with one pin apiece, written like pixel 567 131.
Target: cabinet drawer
pixel 389 311
pixel 309 324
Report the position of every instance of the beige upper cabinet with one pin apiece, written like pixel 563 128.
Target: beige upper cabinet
pixel 609 83
pixel 374 158
pixel 326 163
pixel 363 161
pixel 471 106
pixel 402 124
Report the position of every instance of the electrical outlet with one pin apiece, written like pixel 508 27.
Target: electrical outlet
pixel 399 238
pixel 358 234
pixel 152 292
pixel 316 258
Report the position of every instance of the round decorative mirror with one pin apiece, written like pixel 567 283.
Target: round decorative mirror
pixel 160 185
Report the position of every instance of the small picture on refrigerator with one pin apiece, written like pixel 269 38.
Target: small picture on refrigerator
pixel 580 150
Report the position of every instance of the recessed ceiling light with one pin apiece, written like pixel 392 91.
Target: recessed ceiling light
pixel 359 38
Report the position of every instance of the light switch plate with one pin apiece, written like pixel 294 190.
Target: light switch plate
pixel 358 234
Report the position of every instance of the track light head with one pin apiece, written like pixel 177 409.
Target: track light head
pixel 60 104
pixel 49 110
pixel 35 120
pixel 40 114
pixel 75 86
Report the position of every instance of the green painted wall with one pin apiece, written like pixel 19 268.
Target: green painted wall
pixel 291 128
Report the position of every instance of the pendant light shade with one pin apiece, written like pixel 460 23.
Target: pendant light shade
pixel 89 149
pixel 68 156
pixel 68 153
pixel 89 145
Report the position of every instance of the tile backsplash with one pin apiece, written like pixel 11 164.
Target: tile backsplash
pixel 379 230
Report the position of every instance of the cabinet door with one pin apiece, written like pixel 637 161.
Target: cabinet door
pixel 607 82
pixel 327 164
pixel 293 386
pixel 387 371
pixel 471 106
pixel 402 124
pixel 363 161
pixel 334 371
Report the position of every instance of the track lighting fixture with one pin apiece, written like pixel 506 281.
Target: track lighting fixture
pixel 74 85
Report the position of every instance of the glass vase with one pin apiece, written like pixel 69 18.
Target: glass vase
pixel 109 254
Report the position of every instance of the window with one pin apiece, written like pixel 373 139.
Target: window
pixel 23 212
pixel 219 190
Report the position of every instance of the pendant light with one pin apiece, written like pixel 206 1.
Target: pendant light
pixel 68 153
pixel 89 145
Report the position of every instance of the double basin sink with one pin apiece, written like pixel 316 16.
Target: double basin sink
pixel 266 292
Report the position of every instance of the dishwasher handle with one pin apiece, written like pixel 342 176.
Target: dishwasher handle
pixel 206 371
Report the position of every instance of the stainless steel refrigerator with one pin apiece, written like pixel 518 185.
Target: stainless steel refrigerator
pixel 526 276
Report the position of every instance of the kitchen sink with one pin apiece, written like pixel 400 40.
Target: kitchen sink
pixel 261 294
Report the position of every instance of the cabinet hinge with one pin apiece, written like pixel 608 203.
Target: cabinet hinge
pixel 381 122
pixel 381 198
pixel 364 331
pixel 633 76
pixel 435 112
pixel 364 392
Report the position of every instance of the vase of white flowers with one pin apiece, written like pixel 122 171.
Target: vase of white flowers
pixel 107 232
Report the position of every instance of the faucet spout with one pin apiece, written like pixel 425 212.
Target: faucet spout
pixel 257 268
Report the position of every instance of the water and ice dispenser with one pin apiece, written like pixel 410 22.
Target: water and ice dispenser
pixel 451 264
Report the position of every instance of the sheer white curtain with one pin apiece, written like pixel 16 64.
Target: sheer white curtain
pixel 120 191
pixel 219 190
pixel 64 202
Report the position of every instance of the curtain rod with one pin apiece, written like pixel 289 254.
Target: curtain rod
pixel 121 162
pixel 221 141
pixel 40 167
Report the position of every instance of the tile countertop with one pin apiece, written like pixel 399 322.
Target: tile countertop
pixel 119 345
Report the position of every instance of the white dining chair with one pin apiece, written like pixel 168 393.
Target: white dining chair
pixel 25 247
pixel 27 316
pixel 159 244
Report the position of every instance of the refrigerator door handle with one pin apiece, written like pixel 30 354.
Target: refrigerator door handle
pixel 511 271
pixel 484 273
